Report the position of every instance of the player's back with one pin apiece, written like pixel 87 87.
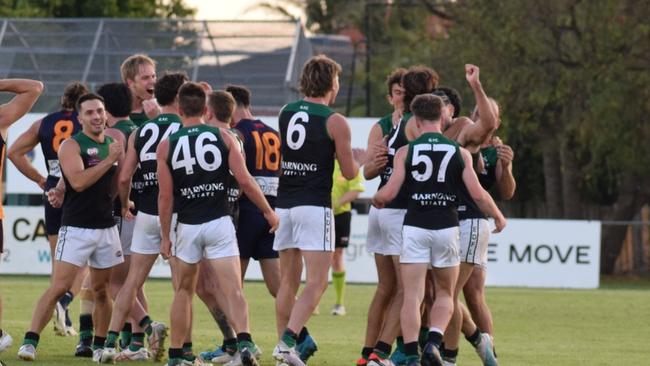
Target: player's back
pixel 146 140
pixel 434 168
pixel 198 160
pixel 307 155
pixel 55 128
pixel 262 152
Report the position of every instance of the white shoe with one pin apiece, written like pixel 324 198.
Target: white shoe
pixel 127 355
pixel 70 331
pixel 27 352
pixel 5 341
pixel 447 363
pixel 107 355
pixel 97 355
pixel 286 354
pixel 157 340
pixel 338 310
pixel 58 320
pixel 485 350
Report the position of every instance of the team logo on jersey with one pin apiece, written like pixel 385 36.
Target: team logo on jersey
pixel 92 151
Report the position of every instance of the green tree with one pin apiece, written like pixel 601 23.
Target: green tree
pixel 95 9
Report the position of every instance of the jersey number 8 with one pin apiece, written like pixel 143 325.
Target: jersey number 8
pixel 201 149
pixel 62 131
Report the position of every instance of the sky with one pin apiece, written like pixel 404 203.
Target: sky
pixel 230 9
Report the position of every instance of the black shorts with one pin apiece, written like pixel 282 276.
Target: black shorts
pixel 253 235
pixel 342 229
pixel 52 215
pixel 2 238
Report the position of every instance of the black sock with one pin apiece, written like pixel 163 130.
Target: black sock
pixel 66 299
pixel 474 338
pixel 302 335
pixel 229 346
pixel 32 338
pixel 383 348
pixel 86 322
pixel 98 342
pixel 244 337
pixel 365 352
pixel 411 349
pixel 435 338
pixel 175 353
pixel 145 321
pixel 448 354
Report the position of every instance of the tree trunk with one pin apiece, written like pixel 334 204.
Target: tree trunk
pixel 571 201
pixel 630 201
pixel 552 181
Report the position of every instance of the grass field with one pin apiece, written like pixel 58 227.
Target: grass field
pixel 609 326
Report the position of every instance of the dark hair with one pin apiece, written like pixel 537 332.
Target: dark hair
pixel 191 99
pixel 118 99
pixel 86 97
pixel 427 107
pixel 318 75
pixel 241 94
pixel 167 86
pixel 452 96
pixel 395 77
pixel 418 80
pixel 222 104
pixel 71 93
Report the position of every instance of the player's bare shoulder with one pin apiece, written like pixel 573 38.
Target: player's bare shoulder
pixel 454 131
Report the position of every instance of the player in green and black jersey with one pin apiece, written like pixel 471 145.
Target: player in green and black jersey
pixel 194 166
pixel 312 136
pixel 142 144
pixel 474 227
pixel 88 233
pixel 431 169
pixel 384 225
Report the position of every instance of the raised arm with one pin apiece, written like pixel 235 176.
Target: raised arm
pixel 247 184
pixel 26 142
pixel 165 197
pixel 478 194
pixel 338 129
pixel 504 179
pixel 376 158
pixel 73 167
pixel 389 191
pixel 475 134
pixel 27 92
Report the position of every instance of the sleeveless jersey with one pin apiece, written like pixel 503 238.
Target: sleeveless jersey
pixel 488 176
pixel 262 150
pixel 146 140
pixel 434 171
pixel 307 156
pixel 198 161
pixel 139 118
pixel 233 185
pixel 91 208
pixel 3 150
pixel 126 127
pixel 56 128
pixel 396 139
pixel 468 209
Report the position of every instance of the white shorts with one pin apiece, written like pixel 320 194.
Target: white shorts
pixel 439 248
pixel 211 240
pixel 98 248
pixel 125 228
pixel 146 235
pixel 474 238
pixel 305 228
pixel 385 230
